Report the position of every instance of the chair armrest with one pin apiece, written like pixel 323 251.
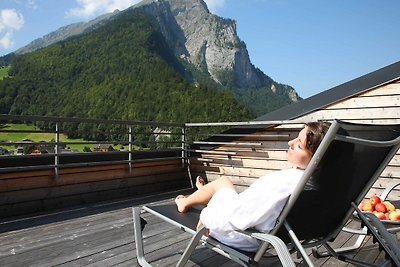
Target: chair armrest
pixel 280 247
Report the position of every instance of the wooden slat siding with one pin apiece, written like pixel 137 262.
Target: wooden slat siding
pixel 265 162
pixel 249 163
pixel 389 89
pixel 378 106
pixel 251 171
pixel 353 114
pixel 381 105
pixel 39 191
pixel 369 102
pixel 83 188
pixel 37 179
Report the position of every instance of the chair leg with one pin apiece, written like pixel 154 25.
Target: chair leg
pixel 137 228
pixel 298 245
pixel 357 245
pixel 191 247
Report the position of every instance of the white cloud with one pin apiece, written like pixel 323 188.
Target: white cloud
pixel 214 5
pixel 88 8
pixel 10 20
pixel 6 40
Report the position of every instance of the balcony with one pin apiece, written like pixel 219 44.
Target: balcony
pixel 74 208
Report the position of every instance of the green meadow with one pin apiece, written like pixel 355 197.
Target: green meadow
pixel 36 137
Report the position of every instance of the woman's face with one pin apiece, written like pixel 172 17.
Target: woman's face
pixel 298 154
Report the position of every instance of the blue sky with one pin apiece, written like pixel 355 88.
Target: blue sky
pixel 312 45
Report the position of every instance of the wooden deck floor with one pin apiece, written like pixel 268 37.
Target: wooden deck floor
pixel 102 235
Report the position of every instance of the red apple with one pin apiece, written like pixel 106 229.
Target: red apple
pixel 389 206
pixel 387 216
pixel 368 207
pixel 380 215
pixel 362 203
pixel 374 200
pixel 394 216
pixel 380 207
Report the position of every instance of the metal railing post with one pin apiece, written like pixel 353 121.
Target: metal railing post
pixel 130 139
pixel 56 150
pixel 183 139
pixel 185 155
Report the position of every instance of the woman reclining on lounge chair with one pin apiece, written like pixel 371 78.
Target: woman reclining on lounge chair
pixel 259 205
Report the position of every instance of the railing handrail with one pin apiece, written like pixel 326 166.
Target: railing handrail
pixel 242 123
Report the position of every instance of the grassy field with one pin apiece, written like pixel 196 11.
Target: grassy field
pixel 4 72
pixel 36 137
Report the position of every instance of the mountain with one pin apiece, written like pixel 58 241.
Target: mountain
pixel 122 70
pixel 207 45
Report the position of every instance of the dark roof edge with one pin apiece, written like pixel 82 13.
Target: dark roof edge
pixel 364 83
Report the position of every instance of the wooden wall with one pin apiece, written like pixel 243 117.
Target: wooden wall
pixel 36 191
pixel 249 159
pixel 378 106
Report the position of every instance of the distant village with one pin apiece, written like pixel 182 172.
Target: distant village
pixel 33 148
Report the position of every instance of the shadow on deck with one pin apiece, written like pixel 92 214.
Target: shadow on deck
pixel 102 235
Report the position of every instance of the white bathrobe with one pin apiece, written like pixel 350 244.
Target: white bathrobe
pixel 257 207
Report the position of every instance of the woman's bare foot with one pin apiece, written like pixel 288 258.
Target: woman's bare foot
pixel 180 203
pixel 199 182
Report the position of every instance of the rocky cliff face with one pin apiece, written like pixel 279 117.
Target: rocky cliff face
pixel 205 40
pixel 209 42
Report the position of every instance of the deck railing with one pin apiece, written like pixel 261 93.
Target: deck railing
pixel 144 136
pixel 135 135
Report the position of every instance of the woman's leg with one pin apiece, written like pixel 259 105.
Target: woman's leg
pixel 203 194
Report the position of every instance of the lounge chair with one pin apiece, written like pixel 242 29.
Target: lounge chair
pixel 347 163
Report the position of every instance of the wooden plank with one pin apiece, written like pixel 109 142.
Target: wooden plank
pixel 59 191
pixel 244 163
pixel 36 173
pixel 392 113
pixel 384 182
pixel 82 177
pixel 269 154
pixel 395 160
pixel 368 102
pixel 389 89
pixel 391 171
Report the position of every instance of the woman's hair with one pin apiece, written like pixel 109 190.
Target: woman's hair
pixel 315 134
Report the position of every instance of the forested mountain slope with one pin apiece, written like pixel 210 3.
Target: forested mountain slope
pixel 207 50
pixel 123 70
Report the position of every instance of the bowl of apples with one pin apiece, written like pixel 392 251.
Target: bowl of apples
pixel 384 210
